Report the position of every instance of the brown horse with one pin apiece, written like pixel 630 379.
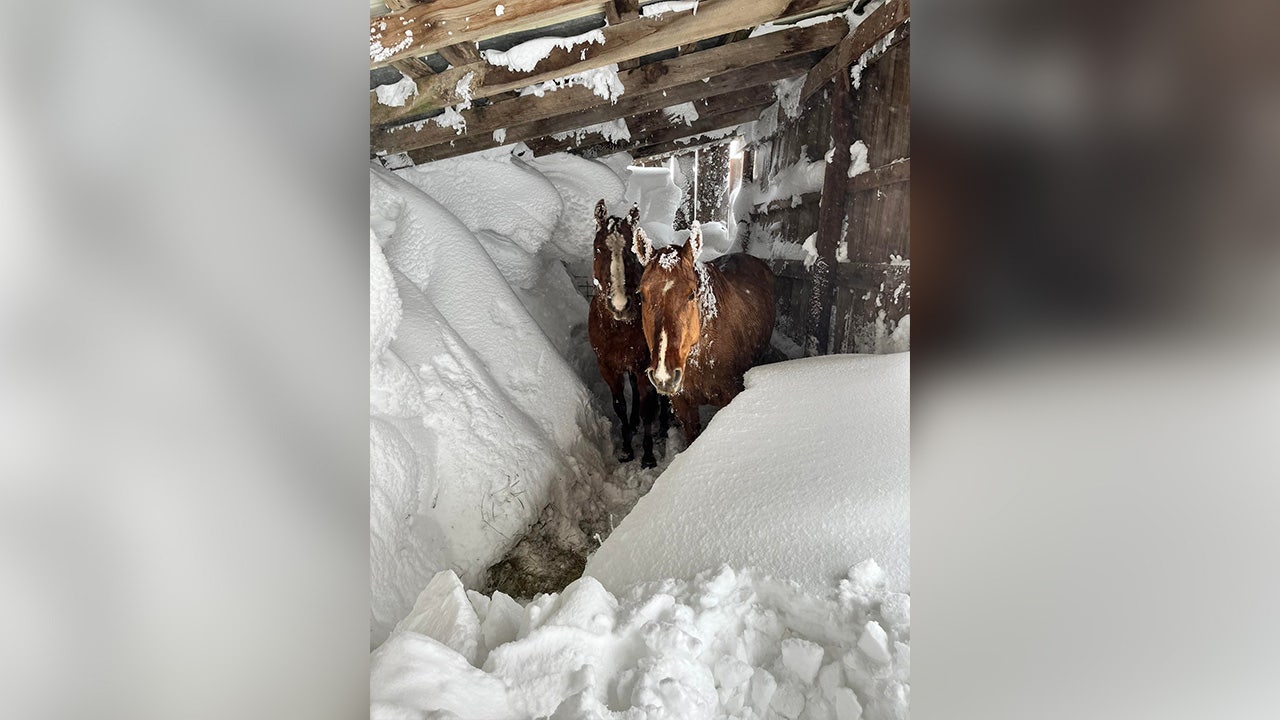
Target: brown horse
pixel 706 324
pixel 614 330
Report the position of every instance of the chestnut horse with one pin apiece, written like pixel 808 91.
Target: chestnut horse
pixel 613 327
pixel 706 324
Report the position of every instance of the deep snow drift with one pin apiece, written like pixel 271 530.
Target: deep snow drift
pixel 805 472
pixel 488 438
pixel 813 628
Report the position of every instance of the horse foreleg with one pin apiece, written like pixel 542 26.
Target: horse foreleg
pixel 635 401
pixel 687 411
pixel 647 400
pixel 617 387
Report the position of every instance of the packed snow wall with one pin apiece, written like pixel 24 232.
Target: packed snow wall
pixel 479 418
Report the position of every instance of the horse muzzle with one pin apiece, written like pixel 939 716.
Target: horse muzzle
pixel 670 386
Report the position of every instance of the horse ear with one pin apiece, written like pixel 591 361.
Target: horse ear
pixel 642 246
pixel 634 215
pixel 694 243
pixel 601 212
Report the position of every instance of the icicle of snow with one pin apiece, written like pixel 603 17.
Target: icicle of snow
pixel 526 55
pixel 873 52
pixel 613 131
pixel 713 135
pixel 396 94
pixel 684 112
pixel 603 81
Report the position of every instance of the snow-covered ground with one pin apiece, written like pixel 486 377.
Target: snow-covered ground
pixel 800 484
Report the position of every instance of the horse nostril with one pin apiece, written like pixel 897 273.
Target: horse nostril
pixel 675 377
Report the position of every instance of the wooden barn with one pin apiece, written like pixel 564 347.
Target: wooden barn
pixel 791 121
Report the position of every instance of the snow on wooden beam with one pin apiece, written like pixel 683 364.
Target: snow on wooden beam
pixel 624 41
pixel 879 23
pixel 753 79
pixel 668 141
pixel 539 133
pixel 655 77
pixel 426 27
pixel 658 126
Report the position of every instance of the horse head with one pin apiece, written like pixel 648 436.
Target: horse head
pixel 616 271
pixel 672 289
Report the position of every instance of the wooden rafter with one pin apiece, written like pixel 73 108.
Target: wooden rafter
pixel 624 41
pixel 879 23
pixel 426 27
pixel 461 53
pixel 740 83
pixel 655 127
pixel 655 77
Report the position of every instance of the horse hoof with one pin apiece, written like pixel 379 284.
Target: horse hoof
pixel 648 462
pixel 627 457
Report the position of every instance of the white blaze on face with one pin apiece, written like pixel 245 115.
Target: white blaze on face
pixel 617 276
pixel 661 374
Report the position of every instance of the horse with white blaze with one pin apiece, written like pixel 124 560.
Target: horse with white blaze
pixel 613 327
pixel 706 323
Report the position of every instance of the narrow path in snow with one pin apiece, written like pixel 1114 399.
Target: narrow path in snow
pixel 554 552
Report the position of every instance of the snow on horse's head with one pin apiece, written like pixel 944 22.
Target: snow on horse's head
pixel 616 271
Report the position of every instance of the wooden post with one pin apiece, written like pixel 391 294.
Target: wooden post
pixel 831 215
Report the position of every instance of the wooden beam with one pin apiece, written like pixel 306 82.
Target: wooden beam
pixel 428 136
pixel 668 140
pixel 887 174
pixel 426 27
pixel 414 68
pixel 654 77
pixel 624 41
pixel 831 216
pixel 727 100
pixel 621 10
pixel 714 113
pixel 879 23
pixel 461 53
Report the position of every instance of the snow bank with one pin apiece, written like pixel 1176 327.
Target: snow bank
pixel 803 474
pixel 716 240
pixel 580 183
pixel 725 644
pixel 477 422
pixel 658 195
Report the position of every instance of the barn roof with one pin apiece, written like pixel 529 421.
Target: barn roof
pixel 597 76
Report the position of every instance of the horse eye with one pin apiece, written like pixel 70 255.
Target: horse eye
pixel 640 296
pixel 691 296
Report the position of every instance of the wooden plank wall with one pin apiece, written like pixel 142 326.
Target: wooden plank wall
pixel 873 287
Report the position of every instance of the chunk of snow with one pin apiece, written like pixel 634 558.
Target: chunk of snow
pixel 803 658
pixel 525 56
pixel 499 10
pixel 684 112
pixel 788 94
pixel 500 135
pixel 858 159
pixel 443 612
pixel 397 93
pixel 875 643
pixel 810 248
pixel 660 8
